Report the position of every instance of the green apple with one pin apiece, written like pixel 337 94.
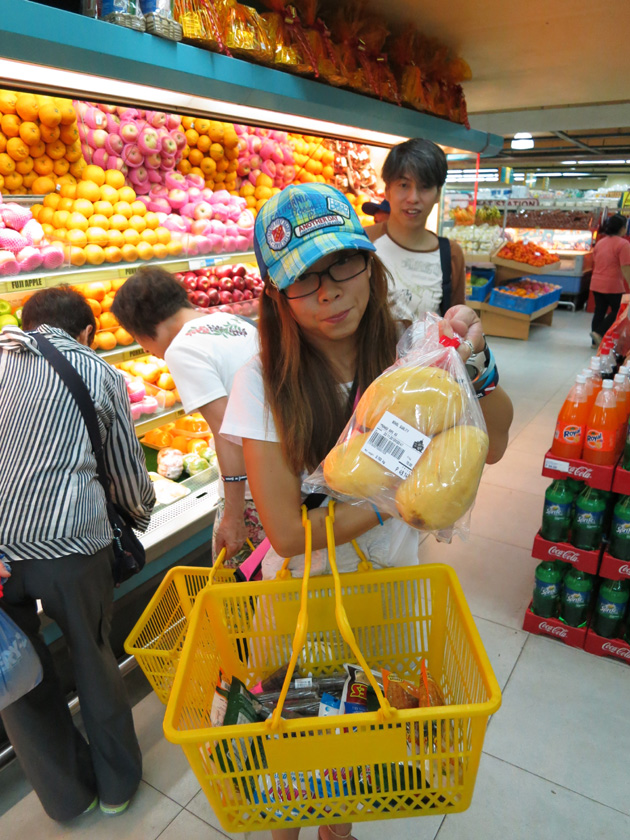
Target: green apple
pixel 5 307
pixel 8 320
pixel 18 315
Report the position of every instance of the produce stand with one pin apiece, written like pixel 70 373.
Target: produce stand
pixel 508 324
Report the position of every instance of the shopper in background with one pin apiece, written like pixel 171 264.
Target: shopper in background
pixel 56 535
pixel 326 333
pixel 203 352
pixel 379 211
pixel 428 272
pixel 611 275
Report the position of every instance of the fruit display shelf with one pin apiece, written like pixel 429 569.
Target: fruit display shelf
pixel 509 324
pixel 48 279
pixel 158 419
pixel 122 354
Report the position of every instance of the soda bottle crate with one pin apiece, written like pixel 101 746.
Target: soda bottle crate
pixel 621 481
pixel 585 561
pixel 614 569
pixel 572 636
pixel 596 476
pixel 601 646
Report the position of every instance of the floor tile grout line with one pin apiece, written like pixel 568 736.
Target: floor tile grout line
pixel 440 827
pixel 518 658
pixel 169 824
pixel 557 784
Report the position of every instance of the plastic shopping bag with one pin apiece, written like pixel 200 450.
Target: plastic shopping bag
pixel 416 443
pixel 20 668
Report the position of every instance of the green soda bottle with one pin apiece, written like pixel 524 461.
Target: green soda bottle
pixel 620 530
pixel 588 519
pixel 547 582
pixel 611 605
pixel 557 511
pixel 577 588
pixel 626 452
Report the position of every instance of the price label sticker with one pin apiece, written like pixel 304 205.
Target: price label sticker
pixel 26 285
pixel 396 445
pixel 304 682
pixel 199 263
pixel 137 351
pixel 559 466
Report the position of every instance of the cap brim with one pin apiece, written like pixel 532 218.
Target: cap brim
pixel 371 208
pixel 326 244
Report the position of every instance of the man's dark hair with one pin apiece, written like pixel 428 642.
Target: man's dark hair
pixel 60 307
pixel 419 159
pixel 149 297
pixel 614 224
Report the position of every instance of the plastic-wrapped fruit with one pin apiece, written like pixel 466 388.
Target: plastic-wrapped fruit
pixel 197 465
pixel 349 471
pixel 443 484
pixel 427 398
pixel 189 458
pixel 170 463
pixel 192 424
pixel 209 454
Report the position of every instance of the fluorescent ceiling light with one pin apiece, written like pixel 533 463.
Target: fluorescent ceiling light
pixel 82 85
pixel 548 174
pixel 568 162
pixel 522 140
pixel 600 162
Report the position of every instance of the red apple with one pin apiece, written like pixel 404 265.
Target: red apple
pixel 227 284
pixel 203 284
pixel 226 297
pixel 200 299
pixel 237 295
pixel 239 283
pixel 247 295
pixel 189 281
pixel 239 270
pixel 214 299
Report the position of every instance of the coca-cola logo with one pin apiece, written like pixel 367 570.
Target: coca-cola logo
pixel 618 651
pixel 561 632
pixel 581 472
pixel 566 555
pixel 624 570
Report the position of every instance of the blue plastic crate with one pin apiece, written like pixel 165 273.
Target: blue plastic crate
pixel 526 305
pixel 481 292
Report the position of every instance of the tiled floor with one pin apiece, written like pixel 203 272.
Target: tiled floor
pixel 555 763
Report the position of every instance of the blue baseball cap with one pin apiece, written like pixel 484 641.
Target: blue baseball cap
pixel 301 224
pixel 371 208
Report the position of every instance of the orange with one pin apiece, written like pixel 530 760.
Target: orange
pixel 36 210
pixel 185 152
pixel 262 193
pixel 123 208
pixel 30 133
pixel 94 173
pixel 109 193
pixel 160 251
pixel 118 283
pixel 152 220
pixel 36 150
pixel 108 300
pixel 112 255
pixel 247 189
pixel 77 167
pixel 203 144
pixel 50 135
pixel 103 208
pixel 55 150
pixel 123 337
pixel 138 208
pixel 3 143
pixel 192 136
pixel 68 115
pixel 208 166
pixel 196 171
pixel 114 178
pixel 52 200
pixel 76 237
pixel 222 165
pixel 95 291
pixel 8 101
pixel 188 122
pixel 126 194
pixel 42 185
pixel 264 180
pixel 197 446
pixel 118 222
pixel 184 167
pixel 43 165
pixel 145 251
pixel 216 151
pixel 129 252
pixel 77 256
pixel 174 248
pixel 61 167
pixel 108 320
pixel 60 218
pixel 49 115
pixel 13 181
pixel 115 238
pixel 149 236
pixel 48 229
pixel 105 340
pixel 231 154
pixel 230 139
pixel 68 191
pixel 74 153
pixel 97 236
pixel 69 134
pixel 99 220
pixel 59 234
pixel 83 206
pixel 137 223
pixel 46 214
pixel 10 125
pixel 132 237
pixel 94 305
pixel 88 189
pixel 201 125
pixel 216 131
pixel 195 157
pixel 28 180
pixel 65 204
pixel 163 234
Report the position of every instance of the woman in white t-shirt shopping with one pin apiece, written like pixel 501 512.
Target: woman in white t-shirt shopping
pixel 324 323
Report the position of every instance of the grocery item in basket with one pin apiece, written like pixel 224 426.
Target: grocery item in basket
pixel 242 706
pixel 416 443
pixel 329 705
pixel 355 692
pixel 170 463
pixel 219 701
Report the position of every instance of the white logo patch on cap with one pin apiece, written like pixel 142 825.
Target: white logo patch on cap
pixel 278 234
pixel 319 222
pixel 337 206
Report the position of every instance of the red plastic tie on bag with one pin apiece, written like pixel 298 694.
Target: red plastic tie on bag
pixel 450 341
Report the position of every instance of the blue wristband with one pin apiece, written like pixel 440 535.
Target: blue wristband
pixel 376 511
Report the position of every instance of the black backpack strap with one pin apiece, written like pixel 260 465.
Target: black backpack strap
pixel 447 272
pixel 82 397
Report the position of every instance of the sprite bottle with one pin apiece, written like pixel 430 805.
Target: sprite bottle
pixel 557 511
pixel 611 605
pixel 620 530
pixel 547 583
pixel 588 519
pixel 577 588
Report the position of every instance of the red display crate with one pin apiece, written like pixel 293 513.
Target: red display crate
pixel 572 636
pixel 601 478
pixel 621 481
pixel 614 569
pixel 585 561
pixel 600 646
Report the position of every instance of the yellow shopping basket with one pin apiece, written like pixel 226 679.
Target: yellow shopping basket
pixel 158 637
pixel 369 766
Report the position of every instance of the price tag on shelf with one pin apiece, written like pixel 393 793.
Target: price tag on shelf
pixel 559 466
pixel 126 272
pixel 28 284
pixel 133 354
pixel 198 263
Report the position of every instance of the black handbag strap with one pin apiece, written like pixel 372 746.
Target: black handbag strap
pixel 447 271
pixel 73 381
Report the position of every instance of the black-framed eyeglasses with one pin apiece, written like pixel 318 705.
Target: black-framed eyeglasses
pixel 349 265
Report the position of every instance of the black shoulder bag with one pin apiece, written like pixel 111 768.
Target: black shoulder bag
pixel 447 271
pixel 129 554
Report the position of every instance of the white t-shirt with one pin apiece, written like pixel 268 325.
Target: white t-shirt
pixel 417 279
pixel 247 416
pixel 205 355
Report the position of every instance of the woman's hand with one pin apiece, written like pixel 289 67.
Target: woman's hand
pixel 465 322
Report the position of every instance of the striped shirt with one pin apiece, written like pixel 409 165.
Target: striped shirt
pixel 51 502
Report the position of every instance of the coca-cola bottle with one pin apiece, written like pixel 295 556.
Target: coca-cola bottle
pixel 577 588
pixel 611 604
pixel 547 581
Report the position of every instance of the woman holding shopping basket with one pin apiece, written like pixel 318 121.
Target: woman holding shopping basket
pixel 326 333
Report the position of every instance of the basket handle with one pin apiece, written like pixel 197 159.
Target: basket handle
pixel 386 711
pixel 299 638
pixel 218 563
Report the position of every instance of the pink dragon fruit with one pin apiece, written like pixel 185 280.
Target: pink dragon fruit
pixel 15 217
pixel 11 240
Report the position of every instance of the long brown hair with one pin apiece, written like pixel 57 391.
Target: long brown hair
pixel 308 407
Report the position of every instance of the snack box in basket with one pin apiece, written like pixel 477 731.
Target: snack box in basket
pixel 521 304
pixel 585 561
pixel 599 477
pixel 572 636
pixel 601 646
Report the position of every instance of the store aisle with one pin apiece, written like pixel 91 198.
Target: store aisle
pixel 555 759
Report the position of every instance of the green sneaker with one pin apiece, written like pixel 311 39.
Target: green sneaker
pixel 114 810
pixel 91 806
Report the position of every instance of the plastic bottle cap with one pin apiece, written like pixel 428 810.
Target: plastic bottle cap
pixel 608 384
pixel 624 370
pixel 587 372
pixel 619 378
pixel 581 380
pixel 596 363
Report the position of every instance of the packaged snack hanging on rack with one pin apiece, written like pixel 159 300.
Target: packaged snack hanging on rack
pixel 201 23
pixel 416 443
pixel 245 32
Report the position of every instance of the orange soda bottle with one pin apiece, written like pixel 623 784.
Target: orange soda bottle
pixel 602 429
pixel 596 374
pixel 591 393
pixel 568 437
pixel 622 394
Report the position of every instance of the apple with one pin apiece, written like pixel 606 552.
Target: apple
pixel 225 296
pixel 129 132
pixel 237 295
pixel 244 168
pixel 215 283
pixel 257 293
pixel 247 295
pixel 203 210
pixel 239 283
pixel 189 281
pixel 214 299
pixel 239 270
pixel 223 271
pixel 227 284
pixel 180 139
pixel 132 155
pixel 203 284
pixel 200 299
